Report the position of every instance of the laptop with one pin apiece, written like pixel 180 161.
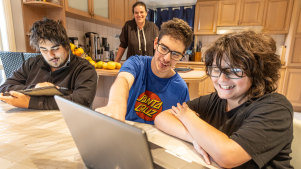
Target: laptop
pixel 106 143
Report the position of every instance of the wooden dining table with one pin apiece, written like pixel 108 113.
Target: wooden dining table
pixel 40 139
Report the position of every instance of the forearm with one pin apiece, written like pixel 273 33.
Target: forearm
pixel 168 123
pixel 118 96
pixel 119 54
pixel 226 152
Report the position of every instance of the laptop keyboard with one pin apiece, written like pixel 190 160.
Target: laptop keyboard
pixel 163 159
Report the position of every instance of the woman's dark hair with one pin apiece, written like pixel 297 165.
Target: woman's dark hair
pixel 178 29
pixel 252 52
pixel 140 4
pixel 47 29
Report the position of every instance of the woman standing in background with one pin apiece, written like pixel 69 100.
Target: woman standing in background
pixel 138 34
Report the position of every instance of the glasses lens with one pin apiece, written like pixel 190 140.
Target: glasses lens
pixel 234 73
pixel 231 73
pixel 163 49
pixel 214 71
pixel 176 55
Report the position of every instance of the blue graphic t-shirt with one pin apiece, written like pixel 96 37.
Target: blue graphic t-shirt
pixel 149 94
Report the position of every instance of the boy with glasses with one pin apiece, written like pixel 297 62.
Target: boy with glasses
pixel 56 66
pixel 245 123
pixel 146 85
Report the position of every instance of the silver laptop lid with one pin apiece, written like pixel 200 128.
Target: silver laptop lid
pixel 104 142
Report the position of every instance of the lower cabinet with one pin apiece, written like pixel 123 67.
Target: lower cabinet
pixel 291 87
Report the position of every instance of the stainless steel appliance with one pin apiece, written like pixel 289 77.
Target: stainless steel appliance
pixel 92 45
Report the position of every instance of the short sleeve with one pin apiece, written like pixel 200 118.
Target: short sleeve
pixel 132 65
pixel 266 131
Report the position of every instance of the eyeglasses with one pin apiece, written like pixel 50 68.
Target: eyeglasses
pixel 173 54
pixel 231 73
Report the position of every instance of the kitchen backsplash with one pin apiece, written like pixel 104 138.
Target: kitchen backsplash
pixel 207 40
pixel 78 28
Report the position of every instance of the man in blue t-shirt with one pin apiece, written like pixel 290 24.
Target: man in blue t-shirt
pixel 146 86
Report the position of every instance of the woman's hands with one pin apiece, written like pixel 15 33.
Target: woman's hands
pixel 182 111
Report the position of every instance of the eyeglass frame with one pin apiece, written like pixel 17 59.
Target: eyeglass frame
pixel 170 51
pixel 223 70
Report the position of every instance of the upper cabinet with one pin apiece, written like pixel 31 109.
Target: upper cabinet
pixel 114 12
pixel 128 9
pixel 278 16
pixel 251 12
pixel 273 15
pixel 78 7
pixel 228 13
pixel 205 17
pixel 95 9
pixel 37 10
pixel 100 10
pixel 240 12
pixel 118 12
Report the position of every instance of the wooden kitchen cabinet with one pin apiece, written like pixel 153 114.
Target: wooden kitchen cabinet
pixel 292 88
pixel 240 12
pixel 228 13
pixel 78 7
pixel 206 87
pixel 292 78
pixel 128 9
pixel 37 10
pixel 277 16
pixel 101 10
pixel 98 10
pixel 118 12
pixel 251 12
pixel 205 17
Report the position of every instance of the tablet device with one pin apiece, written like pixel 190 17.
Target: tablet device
pixel 44 91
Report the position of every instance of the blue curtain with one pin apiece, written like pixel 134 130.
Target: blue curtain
pixel 164 14
pixel 161 15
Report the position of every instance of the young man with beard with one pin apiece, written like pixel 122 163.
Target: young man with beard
pixel 57 66
pixel 147 85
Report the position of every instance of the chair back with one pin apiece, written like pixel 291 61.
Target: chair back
pixel 296 144
pixel 29 55
pixel 11 62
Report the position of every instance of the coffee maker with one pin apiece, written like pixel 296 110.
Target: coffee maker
pixel 92 45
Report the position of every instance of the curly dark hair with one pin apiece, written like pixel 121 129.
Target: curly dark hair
pixel 48 29
pixel 140 3
pixel 178 29
pixel 252 52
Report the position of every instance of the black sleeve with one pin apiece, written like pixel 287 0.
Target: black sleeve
pixel 124 36
pixel 83 93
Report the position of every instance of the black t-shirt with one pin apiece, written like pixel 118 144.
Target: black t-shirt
pixel 263 127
